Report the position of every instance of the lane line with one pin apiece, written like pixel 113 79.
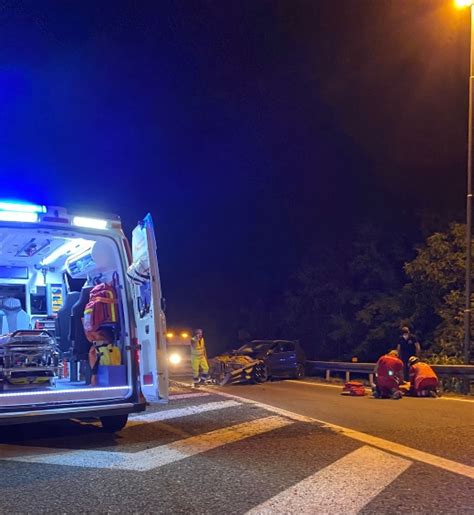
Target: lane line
pixel 149 458
pixel 309 383
pixel 181 412
pixel 345 486
pixel 386 445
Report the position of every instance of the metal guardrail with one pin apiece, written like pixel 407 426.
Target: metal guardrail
pixel 463 371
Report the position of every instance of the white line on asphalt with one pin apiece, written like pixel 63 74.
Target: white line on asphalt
pixel 345 486
pixel 158 416
pixel 298 381
pixel 143 460
pixel 386 445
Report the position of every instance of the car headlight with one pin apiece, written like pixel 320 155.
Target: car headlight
pixel 175 359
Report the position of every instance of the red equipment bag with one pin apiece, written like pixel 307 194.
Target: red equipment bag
pixel 100 310
pixel 354 388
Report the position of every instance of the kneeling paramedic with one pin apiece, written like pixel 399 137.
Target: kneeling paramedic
pixel 388 376
pixel 423 379
pixel 199 358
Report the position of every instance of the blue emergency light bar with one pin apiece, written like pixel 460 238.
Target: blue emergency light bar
pixel 21 207
pixel 20 211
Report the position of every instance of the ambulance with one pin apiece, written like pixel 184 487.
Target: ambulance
pixel 55 268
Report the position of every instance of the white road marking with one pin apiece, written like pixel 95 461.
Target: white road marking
pixel 345 486
pixel 143 460
pixel 299 381
pixel 178 396
pixel 455 399
pixel 158 416
pixel 386 445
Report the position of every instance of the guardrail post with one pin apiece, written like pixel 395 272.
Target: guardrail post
pixel 328 375
pixel 371 379
pixel 348 376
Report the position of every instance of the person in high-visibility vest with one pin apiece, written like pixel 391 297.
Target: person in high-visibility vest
pixel 199 362
pixel 423 379
pixel 388 376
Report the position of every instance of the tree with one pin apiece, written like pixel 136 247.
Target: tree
pixel 347 299
pixel 436 289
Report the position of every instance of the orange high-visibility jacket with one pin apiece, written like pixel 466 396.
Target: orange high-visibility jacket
pixel 388 366
pixel 420 371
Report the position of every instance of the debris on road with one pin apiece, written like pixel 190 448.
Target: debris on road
pixel 227 369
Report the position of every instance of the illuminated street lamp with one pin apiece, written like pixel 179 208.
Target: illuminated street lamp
pixel 467 311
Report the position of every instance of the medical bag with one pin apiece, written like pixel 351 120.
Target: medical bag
pixel 100 311
pixel 354 388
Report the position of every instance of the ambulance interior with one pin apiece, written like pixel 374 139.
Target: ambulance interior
pixel 46 277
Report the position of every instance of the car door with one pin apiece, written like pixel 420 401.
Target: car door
pixel 285 359
pixel 149 315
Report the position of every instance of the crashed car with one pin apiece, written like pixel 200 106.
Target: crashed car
pixel 259 361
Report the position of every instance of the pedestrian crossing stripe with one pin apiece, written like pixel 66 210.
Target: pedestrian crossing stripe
pixel 148 459
pixel 345 486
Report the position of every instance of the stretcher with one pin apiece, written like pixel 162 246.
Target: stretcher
pixel 28 358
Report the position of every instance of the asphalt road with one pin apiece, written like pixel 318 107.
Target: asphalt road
pixel 211 453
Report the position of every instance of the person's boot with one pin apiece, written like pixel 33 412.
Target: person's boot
pixel 397 395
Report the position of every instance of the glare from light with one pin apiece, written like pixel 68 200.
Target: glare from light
pixel 184 335
pixel 89 223
pixel 175 359
pixel 169 335
pixel 18 216
pixel 460 4
pixel 67 249
pixel 21 207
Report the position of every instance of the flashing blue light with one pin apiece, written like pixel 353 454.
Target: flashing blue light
pixel 21 207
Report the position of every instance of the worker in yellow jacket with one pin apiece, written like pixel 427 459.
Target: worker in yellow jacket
pixel 199 358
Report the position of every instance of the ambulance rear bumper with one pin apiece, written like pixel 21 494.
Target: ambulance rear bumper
pixel 41 415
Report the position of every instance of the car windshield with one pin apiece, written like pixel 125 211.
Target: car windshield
pixel 250 348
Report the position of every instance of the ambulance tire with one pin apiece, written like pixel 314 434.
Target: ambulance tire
pixel 114 423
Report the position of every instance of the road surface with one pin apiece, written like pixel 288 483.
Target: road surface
pixel 281 447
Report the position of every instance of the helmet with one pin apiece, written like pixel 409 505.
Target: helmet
pixel 412 360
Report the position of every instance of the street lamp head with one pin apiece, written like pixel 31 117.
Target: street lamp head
pixel 460 4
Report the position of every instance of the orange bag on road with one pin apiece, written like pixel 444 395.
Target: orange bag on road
pixel 354 388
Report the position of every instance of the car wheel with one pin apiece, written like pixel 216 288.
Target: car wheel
pixel 300 371
pixel 260 374
pixel 114 423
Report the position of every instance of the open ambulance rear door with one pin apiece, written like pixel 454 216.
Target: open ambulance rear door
pixel 149 316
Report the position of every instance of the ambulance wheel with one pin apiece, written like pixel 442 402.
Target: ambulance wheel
pixel 114 423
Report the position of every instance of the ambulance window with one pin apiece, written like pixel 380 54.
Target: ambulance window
pixel 144 299
pixel 15 291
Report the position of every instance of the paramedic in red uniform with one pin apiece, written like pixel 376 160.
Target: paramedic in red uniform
pixel 388 376
pixel 423 379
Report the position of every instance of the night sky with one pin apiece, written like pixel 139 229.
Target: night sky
pixel 251 130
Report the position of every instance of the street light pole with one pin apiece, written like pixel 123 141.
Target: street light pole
pixel 467 310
